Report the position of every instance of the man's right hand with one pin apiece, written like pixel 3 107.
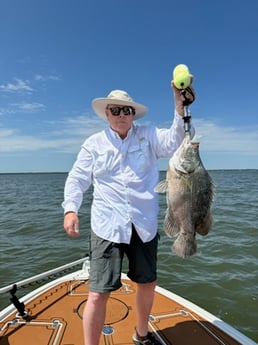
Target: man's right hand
pixel 71 224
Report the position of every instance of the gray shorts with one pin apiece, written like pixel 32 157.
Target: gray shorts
pixel 107 257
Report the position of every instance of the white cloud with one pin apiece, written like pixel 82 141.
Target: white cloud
pixel 13 140
pixel 22 107
pixel 75 130
pixel 19 86
pixel 67 136
pixel 29 107
pixel 6 132
pixel 40 77
pixel 220 146
pixel 82 126
pixel 214 138
pixel 6 111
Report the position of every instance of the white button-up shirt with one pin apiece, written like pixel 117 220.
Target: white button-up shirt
pixel 124 173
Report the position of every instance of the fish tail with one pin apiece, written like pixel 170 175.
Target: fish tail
pixel 185 245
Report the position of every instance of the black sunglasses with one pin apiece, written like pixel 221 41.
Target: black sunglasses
pixel 127 110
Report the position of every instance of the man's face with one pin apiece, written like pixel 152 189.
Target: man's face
pixel 120 118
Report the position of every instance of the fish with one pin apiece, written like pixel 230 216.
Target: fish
pixel 190 191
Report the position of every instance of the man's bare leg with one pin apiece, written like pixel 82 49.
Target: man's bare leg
pixel 144 301
pixel 94 317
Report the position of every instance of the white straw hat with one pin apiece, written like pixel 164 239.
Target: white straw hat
pixel 117 97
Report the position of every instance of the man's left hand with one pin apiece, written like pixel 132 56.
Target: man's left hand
pixel 179 98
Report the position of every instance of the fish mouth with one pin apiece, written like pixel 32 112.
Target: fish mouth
pixel 183 172
pixel 195 144
pixel 188 141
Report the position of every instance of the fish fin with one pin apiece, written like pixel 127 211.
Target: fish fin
pixel 171 231
pixel 170 228
pixel 161 187
pixel 185 247
pixel 204 227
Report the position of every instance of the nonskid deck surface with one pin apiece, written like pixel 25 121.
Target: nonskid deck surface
pixel 55 318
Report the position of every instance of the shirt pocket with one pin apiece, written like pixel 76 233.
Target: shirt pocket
pixel 103 163
pixel 139 156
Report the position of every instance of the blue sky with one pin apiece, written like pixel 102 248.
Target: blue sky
pixel 57 55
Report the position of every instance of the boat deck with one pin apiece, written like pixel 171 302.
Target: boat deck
pixel 55 318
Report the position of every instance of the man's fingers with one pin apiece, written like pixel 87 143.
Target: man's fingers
pixel 71 225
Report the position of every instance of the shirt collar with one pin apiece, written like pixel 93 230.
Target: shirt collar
pixel 115 135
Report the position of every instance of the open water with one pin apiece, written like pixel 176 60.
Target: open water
pixel 222 277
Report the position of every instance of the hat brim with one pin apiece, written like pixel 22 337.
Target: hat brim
pixel 99 106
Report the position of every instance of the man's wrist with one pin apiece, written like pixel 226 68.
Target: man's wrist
pixel 67 212
pixel 180 110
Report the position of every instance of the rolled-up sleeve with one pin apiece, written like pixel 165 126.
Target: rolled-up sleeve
pixel 168 140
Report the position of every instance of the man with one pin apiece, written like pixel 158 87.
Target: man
pixel 121 163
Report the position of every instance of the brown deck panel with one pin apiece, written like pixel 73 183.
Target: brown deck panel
pixel 55 318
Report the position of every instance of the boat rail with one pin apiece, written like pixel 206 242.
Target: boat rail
pixel 41 276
